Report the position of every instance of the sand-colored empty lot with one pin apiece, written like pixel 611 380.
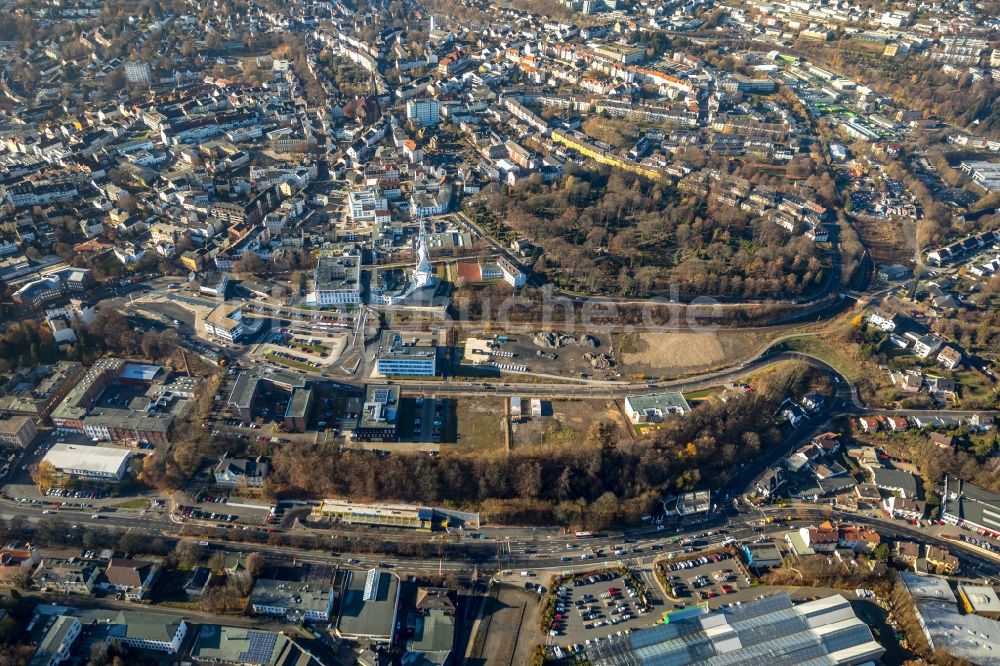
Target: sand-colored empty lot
pixel 671 350
pixel 677 353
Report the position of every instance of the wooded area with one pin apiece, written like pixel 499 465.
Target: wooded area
pixel 612 232
pixel 594 484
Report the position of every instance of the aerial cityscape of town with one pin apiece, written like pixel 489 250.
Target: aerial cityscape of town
pixel 499 333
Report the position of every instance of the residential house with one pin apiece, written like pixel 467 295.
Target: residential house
pixel 904 508
pixel 822 539
pixel 897 423
pixel 826 471
pixel 770 482
pixel 858 538
pixel 15 562
pixel 885 322
pixel 827 537
pixel 828 441
pixel 792 412
pixel 249 472
pixel 922 421
pixel 897 481
pixel 813 402
pixel 938 557
pixel 910 381
pixel 940 386
pixel 870 424
pixel 981 422
pixel 71 576
pixel 949 357
pixel 803 458
pixel 198 582
pixel 133 578
pixel 867 493
pixel 926 345
pixel 906 552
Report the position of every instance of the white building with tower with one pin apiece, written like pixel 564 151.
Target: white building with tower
pixel 423 274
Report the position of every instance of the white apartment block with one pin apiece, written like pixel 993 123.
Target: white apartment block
pixel 365 205
pixel 423 112
pixel 337 281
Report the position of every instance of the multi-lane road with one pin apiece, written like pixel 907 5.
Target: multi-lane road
pixel 539 549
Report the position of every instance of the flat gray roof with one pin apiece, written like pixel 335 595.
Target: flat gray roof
pixel 335 273
pixel 368 607
pixel 971 637
pixel 98 459
pixel 246 384
pixel 667 401
pixel 983 598
pixel 970 503
pixel 392 346
pixel 299 403
pixel 290 594
pixel 380 406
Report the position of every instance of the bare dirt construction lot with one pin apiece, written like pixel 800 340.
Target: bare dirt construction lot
pixel 680 353
pixel 479 425
pixel 509 628
pixel 567 423
pixel 890 241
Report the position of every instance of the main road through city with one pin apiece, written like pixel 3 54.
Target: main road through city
pixel 539 549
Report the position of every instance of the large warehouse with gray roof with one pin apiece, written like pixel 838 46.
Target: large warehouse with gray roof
pixel 772 631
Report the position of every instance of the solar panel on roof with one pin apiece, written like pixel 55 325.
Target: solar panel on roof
pixel 260 648
pixel 380 395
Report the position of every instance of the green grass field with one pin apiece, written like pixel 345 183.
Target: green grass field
pixel 836 355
